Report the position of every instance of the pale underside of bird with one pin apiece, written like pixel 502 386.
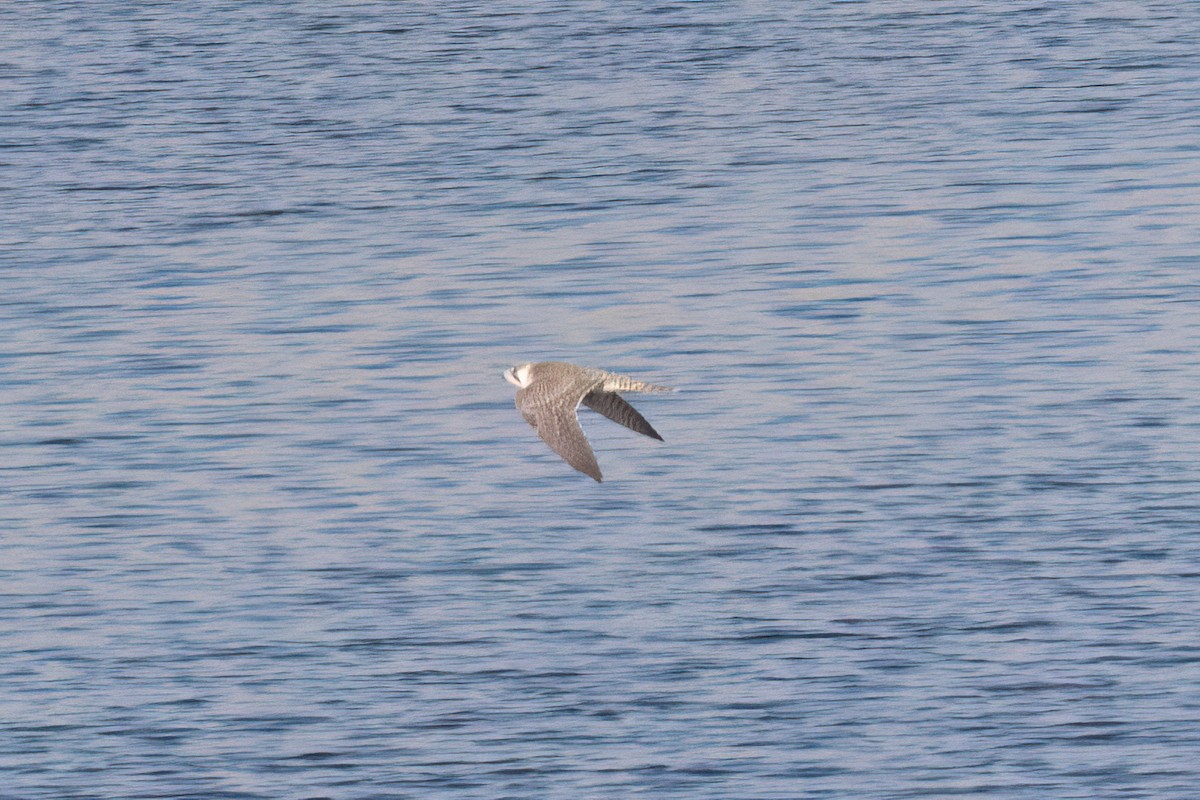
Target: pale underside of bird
pixel 549 394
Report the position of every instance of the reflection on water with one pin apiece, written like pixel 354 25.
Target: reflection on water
pixel 923 520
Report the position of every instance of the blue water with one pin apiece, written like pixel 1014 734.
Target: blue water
pixel 925 522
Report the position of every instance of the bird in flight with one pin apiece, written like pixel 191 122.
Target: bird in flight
pixel 549 392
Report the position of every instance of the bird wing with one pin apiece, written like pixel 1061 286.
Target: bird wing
pixel 616 408
pixel 554 419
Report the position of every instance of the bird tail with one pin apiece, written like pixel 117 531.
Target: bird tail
pixel 621 383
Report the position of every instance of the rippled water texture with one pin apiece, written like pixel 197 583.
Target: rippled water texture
pixel 925 520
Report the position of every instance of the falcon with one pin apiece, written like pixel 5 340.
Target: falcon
pixel 549 392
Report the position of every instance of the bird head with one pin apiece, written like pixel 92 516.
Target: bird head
pixel 518 376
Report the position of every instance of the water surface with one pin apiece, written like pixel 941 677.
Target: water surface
pixel 925 519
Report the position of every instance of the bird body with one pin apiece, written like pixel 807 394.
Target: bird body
pixel 550 392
